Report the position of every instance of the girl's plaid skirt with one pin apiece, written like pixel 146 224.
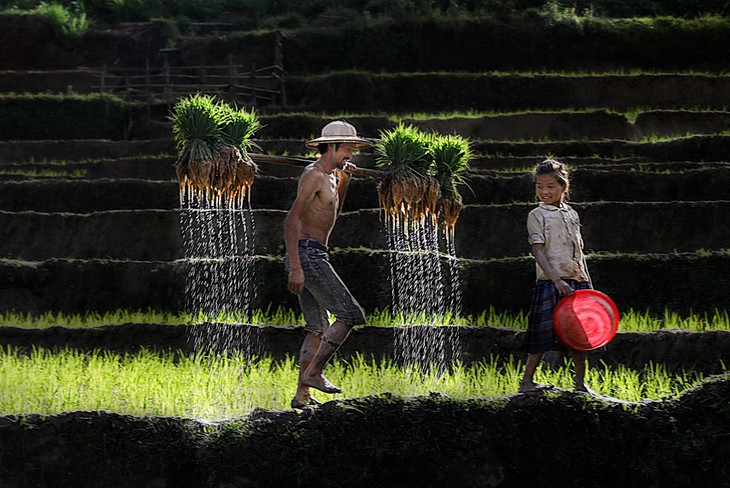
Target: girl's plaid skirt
pixel 540 336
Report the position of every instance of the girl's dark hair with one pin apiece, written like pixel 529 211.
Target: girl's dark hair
pixel 555 168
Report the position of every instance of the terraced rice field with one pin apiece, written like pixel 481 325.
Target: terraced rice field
pixel 93 226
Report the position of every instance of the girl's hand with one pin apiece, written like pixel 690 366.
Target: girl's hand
pixel 564 289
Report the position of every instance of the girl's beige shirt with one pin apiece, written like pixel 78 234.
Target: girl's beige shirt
pixel 558 229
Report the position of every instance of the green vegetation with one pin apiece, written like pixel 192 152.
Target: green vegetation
pixel 79 173
pixel 216 388
pixel 69 116
pixel 292 13
pixel 631 320
pixel 213 138
pixel 424 170
pixel 70 19
pixel 451 155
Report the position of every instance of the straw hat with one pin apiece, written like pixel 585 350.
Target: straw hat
pixel 338 132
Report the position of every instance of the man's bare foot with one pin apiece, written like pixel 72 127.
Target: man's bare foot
pixel 309 401
pixel 321 383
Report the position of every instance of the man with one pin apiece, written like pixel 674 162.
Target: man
pixel 320 195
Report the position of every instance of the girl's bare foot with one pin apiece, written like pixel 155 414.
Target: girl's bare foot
pixel 583 388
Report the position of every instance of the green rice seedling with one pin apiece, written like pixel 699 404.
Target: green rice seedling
pixel 622 382
pixel 631 320
pixel 212 139
pixel 386 318
pixel 196 128
pixel 409 192
pixel 494 318
pixel 33 173
pixel 91 319
pixel 634 321
pixel 451 155
pixel 220 387
pixel 238 126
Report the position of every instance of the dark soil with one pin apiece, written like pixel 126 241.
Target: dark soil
pixel 568 439
pixel 674 281
pixel 101 189
pixel 155 235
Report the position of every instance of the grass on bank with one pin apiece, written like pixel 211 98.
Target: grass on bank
pixel 631 320
pixel 215 388
pixel 44 173
pixel 630 114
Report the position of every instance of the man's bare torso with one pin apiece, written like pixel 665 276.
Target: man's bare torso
pixel 319 218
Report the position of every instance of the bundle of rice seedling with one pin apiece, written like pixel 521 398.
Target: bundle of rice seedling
pixel 236 174
pixel 213 139
pixel 409 191
pixel 451 155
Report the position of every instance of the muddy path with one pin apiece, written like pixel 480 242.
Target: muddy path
pixel 384 440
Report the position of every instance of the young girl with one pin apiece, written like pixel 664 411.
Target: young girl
pixel 554 233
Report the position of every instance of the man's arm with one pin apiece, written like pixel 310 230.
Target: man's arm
pixel 344 181
pixel 306 192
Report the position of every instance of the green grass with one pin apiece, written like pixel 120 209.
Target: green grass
pixel 79 173
pixel 74 24
pixel 215 388
pixel 631 320
pixel 629 113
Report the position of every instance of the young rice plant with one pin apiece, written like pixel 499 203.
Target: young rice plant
pixel 631 320
pixel 212 140
pixel 223 387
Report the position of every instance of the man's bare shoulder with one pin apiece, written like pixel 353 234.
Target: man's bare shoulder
pixel 310 169
pixel 313 176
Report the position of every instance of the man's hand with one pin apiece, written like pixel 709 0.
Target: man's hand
pixel 344 171
pixel 296 281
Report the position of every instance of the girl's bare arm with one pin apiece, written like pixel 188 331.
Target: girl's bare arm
pixel 538 250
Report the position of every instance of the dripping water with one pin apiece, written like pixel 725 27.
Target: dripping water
pixel 218 247
pixel 425 290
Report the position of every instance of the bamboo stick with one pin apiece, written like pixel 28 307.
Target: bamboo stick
pixel 266 158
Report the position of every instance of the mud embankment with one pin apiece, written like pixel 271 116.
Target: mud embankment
pixel 561 440
pixel 675 281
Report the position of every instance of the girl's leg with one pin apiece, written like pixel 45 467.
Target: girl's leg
pixel 527 384
pixel 579 363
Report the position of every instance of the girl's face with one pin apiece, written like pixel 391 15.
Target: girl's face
pixel 549 190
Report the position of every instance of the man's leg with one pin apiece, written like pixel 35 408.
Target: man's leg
pixel 332 295
pixel 306 353
pixel 332 340
pixel 317 321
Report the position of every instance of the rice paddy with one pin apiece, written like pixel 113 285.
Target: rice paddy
pixel 223 387
pixel 631 320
